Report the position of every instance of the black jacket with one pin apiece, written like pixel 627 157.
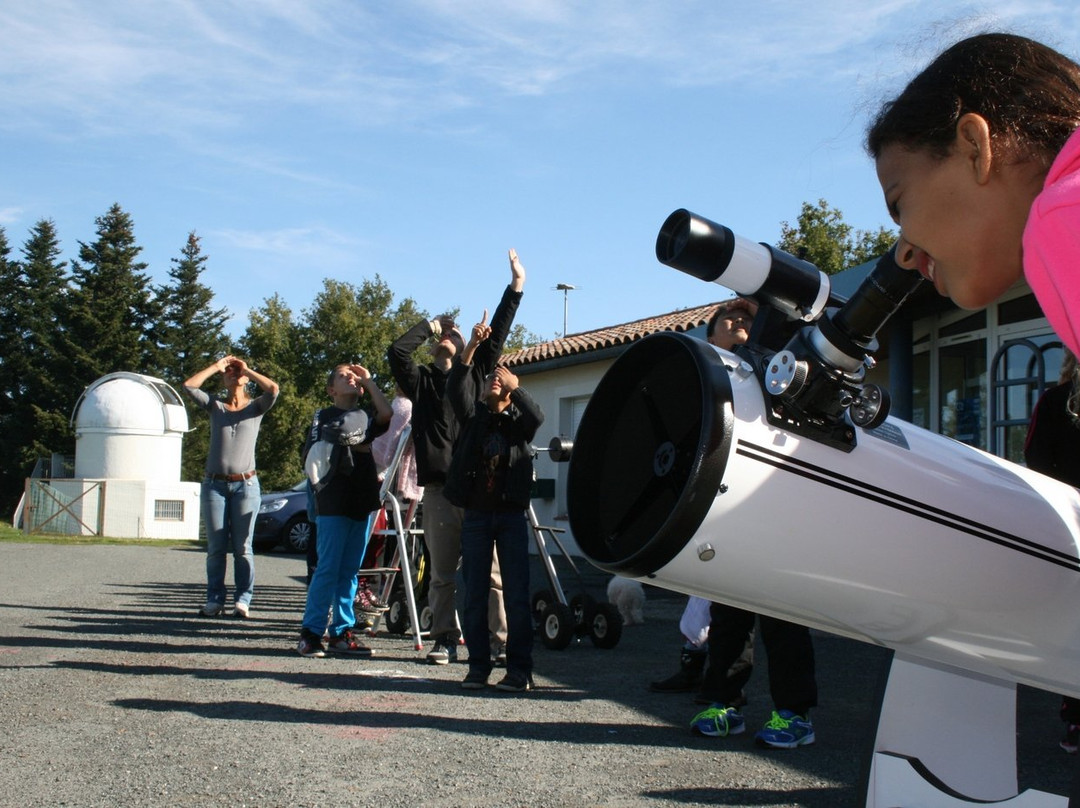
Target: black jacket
pixel 523 418
pixel 435 430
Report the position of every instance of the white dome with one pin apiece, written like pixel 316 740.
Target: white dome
pixel 130 403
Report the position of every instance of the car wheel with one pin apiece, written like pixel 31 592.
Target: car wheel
pixel 299 533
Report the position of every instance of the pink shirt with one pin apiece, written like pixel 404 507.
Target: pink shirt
pixel 1052 245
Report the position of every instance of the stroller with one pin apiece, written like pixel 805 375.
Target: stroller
pixel 400 565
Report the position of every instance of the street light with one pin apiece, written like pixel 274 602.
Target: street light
pixel 565 288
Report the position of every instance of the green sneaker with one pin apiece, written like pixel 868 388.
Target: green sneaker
pixel 718 721
pixel 785 730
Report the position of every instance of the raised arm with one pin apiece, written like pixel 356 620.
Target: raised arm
pixel 265 383
pixel 383 411
pixel 487 354
pixel 530 417
pixel 197 380
pixel 480 332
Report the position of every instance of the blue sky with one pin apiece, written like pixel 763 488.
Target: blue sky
pixel 420 139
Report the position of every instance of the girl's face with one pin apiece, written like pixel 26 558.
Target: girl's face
pixel 960 222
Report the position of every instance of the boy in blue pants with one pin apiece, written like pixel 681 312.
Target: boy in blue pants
pixel 340 467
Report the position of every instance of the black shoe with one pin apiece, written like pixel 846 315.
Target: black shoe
pixel 475 680
pixel 515 683
pixel 687 678
pixel 498 655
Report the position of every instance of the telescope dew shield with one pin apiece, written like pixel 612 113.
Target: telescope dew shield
pixel 650 453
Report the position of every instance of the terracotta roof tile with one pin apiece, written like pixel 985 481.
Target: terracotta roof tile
pixel 623 334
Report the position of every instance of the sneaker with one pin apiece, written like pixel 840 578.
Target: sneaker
pixel 786 730
pixel 475 680
pixel 498 655
pixel 515 682
pixel 367 601
pixel 211 609
pixel 443 653
pixel 241 610
pixel 310 647
pixel 346 643
pixel 718 721
pixel 1072 738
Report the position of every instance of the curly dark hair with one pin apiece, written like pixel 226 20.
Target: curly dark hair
pixel 1028 93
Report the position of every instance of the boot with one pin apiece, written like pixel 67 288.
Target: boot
pixel 691 668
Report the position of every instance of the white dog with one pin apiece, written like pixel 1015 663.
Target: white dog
pixel 628 596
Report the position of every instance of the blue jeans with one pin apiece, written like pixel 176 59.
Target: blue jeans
pixel 342 542
pixel 507 534
pixel 229 511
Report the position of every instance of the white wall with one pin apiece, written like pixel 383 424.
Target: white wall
pixel 555 392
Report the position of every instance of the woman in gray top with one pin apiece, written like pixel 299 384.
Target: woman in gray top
pixel 230 490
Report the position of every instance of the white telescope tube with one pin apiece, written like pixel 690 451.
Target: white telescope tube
pixel 911 540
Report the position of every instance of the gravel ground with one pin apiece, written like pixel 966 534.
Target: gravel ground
pixel 112 692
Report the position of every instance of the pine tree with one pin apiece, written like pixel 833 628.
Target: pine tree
pixel 49 394
pixel 36 397
pixel 110 323
pixel 10 291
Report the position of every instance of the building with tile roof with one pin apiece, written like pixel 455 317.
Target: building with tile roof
pixel 612 338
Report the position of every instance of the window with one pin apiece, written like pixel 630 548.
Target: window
pixel 169 510
pixel 571 409
pixel 962 387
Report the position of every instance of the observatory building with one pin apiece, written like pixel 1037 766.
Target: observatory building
pixel 129 430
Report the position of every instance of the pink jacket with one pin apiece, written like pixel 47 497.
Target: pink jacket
pixel 1052 245
pixel 384 446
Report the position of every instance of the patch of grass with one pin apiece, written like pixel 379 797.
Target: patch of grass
pixel 11 534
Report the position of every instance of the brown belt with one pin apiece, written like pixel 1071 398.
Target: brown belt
pixel 234 478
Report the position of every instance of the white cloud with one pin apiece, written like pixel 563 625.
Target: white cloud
pixel 290 241
pixel 10 215
pixel 116 65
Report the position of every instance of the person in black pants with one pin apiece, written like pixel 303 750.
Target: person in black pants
pixel 792 679
pixel 1053 448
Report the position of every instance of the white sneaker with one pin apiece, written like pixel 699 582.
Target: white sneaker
pixel 241 610
pixel 211 609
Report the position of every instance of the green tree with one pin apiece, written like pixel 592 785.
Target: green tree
pixel 272 344
pixel 822 238
pixel 35 394
pixel 345 323
pixel 49 396
pixel 11 289
pixel 112 317
pixel 520 337
pixel 192 335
